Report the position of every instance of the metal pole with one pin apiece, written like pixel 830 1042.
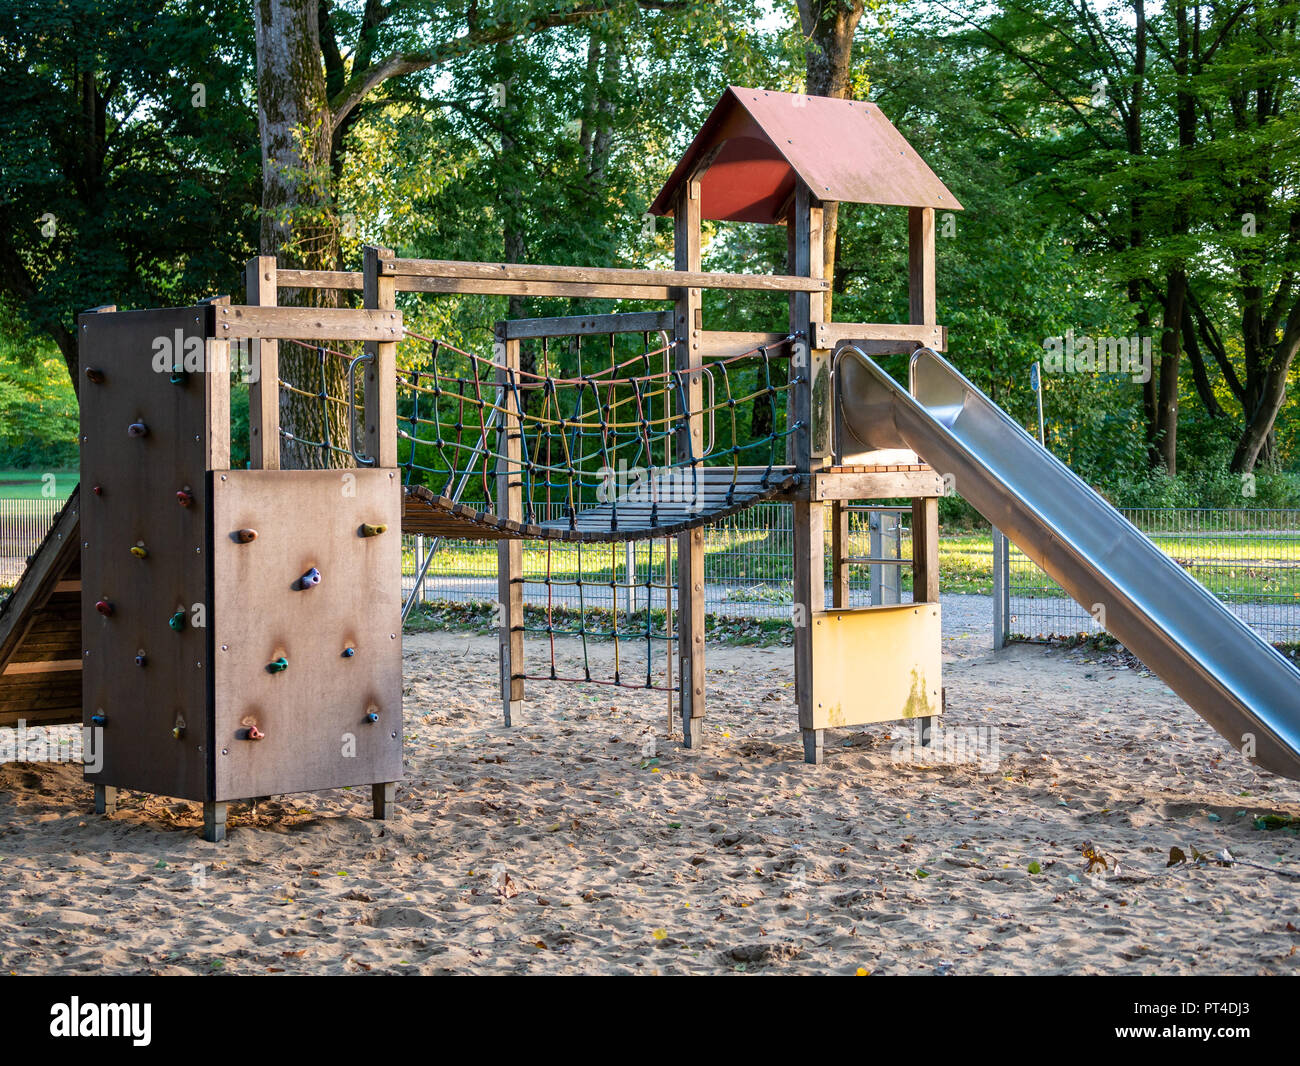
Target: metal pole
pixel 1001 589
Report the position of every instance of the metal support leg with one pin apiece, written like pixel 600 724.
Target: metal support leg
pixel 105 799
pixel 382 797
pixel 214 821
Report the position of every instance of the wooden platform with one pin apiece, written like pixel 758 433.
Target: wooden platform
pixel 40 631
pixel 677 501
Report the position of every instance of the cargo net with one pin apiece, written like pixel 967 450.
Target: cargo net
pixel 602 454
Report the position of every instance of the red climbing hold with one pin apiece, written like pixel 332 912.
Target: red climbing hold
pixel 104 607
pixel 246 536
pixel 98 490
pixel 254 733
pixel 184 497
pixel 94 374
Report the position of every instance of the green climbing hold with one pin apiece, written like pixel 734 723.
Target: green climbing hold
pixel 177 621
pixel 278 665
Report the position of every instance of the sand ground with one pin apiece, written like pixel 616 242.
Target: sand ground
pixel 563 846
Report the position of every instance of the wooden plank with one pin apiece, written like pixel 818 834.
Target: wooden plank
pixel 313 713
pixel 510 553
pixel 714 344
pixel 48 666
pixel 877 338
pixel 381 370
pixel 604 276
pixel 920 265
pixel 347 280
pixel 306 323
pixel 900 484
pixel 572 290
pixel 261 281
pixel 584 325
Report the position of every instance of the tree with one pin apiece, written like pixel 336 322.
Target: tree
pixel 123 176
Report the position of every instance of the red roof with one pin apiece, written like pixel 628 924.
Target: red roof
pixel 756 143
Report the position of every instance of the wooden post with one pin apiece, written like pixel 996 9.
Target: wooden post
pixel 510 552
pixel 925 550
pixel 925 512
pixel 811 405
pixel 687 324
pixel 920 265
pixel 264 388
pixel 381 373
pixel 839 551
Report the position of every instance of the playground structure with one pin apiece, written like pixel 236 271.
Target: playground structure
pixel 292 681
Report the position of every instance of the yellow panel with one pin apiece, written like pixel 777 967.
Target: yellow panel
pixel 876 664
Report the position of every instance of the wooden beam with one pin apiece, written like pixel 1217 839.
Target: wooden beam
pixel 876 338
pixel 572 290
pixel 719 344
pixel 584 325
pixel 381 371
pixel 604 276
pixel 348 280
pixel 884 485
pixel 261 279
pixel 305 323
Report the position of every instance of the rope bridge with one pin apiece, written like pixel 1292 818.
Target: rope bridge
pixel 599 456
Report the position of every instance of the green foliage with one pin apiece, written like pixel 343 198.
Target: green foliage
pixel 38 410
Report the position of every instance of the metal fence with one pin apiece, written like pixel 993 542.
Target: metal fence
pixel 747 565
pixel 1249 559
pixel 23 524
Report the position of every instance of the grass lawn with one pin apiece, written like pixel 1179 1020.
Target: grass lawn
pixel 30 484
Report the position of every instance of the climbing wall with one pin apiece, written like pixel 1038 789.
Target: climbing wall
pixel 144 439
pixel 307 669
pixel 241 628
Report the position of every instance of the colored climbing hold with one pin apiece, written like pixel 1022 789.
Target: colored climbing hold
pixel 95 375
pixel 278 666
pixel 98 490
pixel 137 429
pixel 310 578
pixel 139 550
pixel 177 621
pixel 368 530
pixel 348 652
pixel 254 733
pixel 98 719
pixel 178 730
pixel 141 658
pixel 372 717
pixel 246 536
pixel 184 497
pixel 179 378
pixel 104 607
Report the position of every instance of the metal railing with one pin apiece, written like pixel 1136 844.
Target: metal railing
pixel 23 525
pixel 1248 557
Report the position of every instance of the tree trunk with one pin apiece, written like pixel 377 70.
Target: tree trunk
pixel 299 223
pixel 829 27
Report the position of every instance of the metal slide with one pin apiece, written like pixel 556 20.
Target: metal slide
pixel 1225 671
